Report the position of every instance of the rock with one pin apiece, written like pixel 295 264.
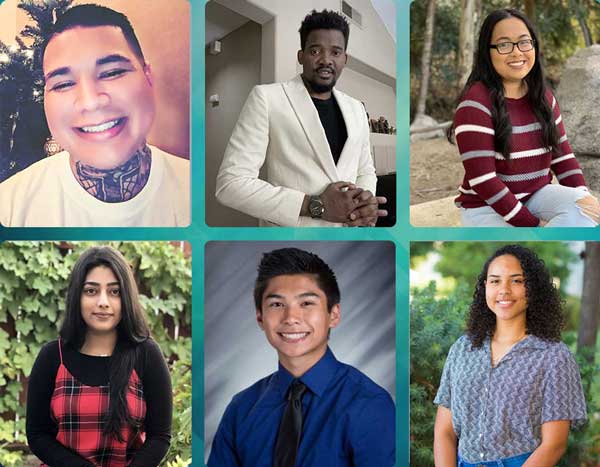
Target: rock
pixel 579 97
pixel 422 122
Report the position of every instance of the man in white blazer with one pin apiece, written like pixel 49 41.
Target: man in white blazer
pixel 313 139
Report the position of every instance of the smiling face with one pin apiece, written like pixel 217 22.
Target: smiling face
pixel 296 321
pixel 322 60
pixel 505 292
pixel 514 66
pixel 98 95
pixel 101 301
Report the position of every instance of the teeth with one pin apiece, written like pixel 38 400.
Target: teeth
pixel 100 128
pixel 294 335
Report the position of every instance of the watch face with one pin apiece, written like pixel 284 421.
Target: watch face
pixel 316 207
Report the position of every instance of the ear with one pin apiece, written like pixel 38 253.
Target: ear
pixel 259 319
pixel 148 73
pixel 300 56
pixel 335 315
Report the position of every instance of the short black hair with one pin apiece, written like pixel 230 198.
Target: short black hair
pixel 291 261
pixel 326 19
pixel 91 15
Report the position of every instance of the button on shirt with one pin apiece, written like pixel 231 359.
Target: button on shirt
pixel 497 412
pixel 348 420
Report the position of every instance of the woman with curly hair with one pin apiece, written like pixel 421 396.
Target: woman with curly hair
pixel 510 390
pixel 101 394
pixel 511 137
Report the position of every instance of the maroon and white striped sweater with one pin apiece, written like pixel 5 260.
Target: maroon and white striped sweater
pixel 503 184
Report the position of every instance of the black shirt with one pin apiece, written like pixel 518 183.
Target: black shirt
pixel 333 123
pixel 94 371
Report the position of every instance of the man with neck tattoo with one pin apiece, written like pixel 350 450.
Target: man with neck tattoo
pixel 312 138
pixel 100 105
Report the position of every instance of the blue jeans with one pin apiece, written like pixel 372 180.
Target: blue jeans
pixel 516 461
pixel 553 203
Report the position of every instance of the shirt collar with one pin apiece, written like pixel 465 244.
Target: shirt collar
pixel 316 379
pixel 530 342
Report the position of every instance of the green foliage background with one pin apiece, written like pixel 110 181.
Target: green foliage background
pixel 438 318
pixel 33 281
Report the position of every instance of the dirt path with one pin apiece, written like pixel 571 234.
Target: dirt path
pixel 436 170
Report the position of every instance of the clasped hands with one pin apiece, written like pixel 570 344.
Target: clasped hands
pixel 346 203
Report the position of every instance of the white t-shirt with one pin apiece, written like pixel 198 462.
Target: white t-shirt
pixel 46 194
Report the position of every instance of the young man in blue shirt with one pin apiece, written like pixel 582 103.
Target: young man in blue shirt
pixel 314 411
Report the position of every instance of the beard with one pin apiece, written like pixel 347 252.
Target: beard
pixel 320 87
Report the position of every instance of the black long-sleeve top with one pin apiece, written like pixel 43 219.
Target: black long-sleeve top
pixel 94 371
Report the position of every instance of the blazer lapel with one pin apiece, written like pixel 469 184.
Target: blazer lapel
pixel 308 116
pixel 348 151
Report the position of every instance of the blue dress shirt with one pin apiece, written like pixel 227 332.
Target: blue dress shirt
pixel 348 420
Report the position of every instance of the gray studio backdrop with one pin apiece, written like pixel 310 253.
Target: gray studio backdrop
pixel 237 353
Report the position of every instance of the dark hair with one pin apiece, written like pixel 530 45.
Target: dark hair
pixel 92 15
pixel 484 72
pixel 131 331
pixel 290 261
pixel 544 317
pixel 326 19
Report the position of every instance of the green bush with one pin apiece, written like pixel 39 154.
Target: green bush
pixel 33 281
pixel 435 324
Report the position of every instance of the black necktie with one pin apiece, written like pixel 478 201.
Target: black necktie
pixel 290 429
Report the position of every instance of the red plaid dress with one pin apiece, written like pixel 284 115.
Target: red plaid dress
pixel 79 411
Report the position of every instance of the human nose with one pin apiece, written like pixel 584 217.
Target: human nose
pixel 90 96
pixel 292 314
pixel 103 299
pixel 505 288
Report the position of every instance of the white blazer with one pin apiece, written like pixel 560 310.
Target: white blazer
pixel 280 126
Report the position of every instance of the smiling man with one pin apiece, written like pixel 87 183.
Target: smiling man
pixel 99 103
pixel 315 410
pixel 313 139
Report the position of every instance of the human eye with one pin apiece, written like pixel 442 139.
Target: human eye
pixel 518 281
pixel 493 281
pixel 308 303
pixel 89 291
pixel 115 292
pixel 504 46
pixel 113 73
pixel 275 304
pixel 62 86
pixel 314 51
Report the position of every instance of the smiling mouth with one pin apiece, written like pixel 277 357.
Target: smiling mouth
pixel 102 315
pixel 518 64
pixel 102 126
pixel 325 72
pixel 293 336
pixel 505 302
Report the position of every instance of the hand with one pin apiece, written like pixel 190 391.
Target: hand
pixel 338 201
pixel 542 223
pixel 590 207
pixel 367 210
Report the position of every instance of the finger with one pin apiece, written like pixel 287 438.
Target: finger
pixel 362 222
pixel 381 200
pixel 342 185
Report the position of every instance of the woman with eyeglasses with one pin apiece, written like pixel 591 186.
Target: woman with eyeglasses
pixel 510 390
pixel 100 395
pixel 511 137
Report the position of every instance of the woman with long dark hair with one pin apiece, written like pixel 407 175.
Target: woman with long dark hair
pixel 101 394
pixel 510 135
pixel 510 389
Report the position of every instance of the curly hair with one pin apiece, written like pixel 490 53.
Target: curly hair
pixel 326 19
pixel 544 316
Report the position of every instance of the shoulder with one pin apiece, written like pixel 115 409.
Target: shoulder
pixel 550 97
pixel 30 176
pixel 150 353
pixel 175 167
pixel 553 351
pixel 365 388
pixel 243 402
pixel 170 159
pixel 48 358
pixel 477 91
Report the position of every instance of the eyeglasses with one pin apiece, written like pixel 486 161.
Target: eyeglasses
pixel 505 48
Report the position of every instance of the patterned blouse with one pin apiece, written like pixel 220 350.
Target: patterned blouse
pixel 498 412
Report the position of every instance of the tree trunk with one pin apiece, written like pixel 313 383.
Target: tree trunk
pixel 466 41
pixel 426 59
pixel 589 316
pixel 580 14
pixel 530 10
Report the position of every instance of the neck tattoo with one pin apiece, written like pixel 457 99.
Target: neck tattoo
pixel 117 184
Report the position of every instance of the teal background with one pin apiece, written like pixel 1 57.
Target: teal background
pixel 199 233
